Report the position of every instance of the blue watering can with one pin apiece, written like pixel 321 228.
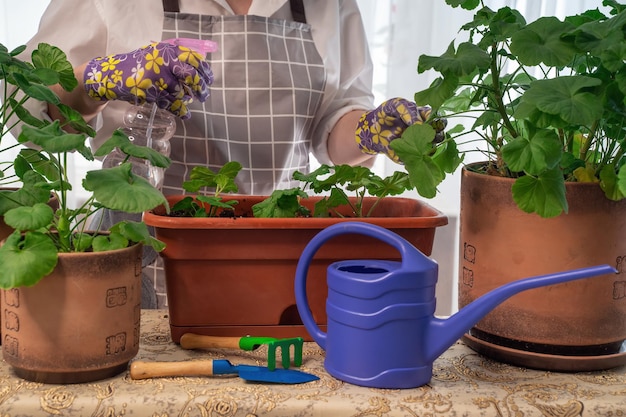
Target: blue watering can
pixel 382 331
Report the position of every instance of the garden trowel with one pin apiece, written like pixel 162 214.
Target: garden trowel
pixel 143 370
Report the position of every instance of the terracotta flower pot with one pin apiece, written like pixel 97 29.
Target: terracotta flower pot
pixel 235 276
pixel 6 230
pixel 579 325
pixel 78 324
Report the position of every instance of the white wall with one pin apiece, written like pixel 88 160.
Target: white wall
pixel 19 20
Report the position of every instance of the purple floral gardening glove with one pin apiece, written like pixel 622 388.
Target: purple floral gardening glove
pixel 376 129
pixel 163 73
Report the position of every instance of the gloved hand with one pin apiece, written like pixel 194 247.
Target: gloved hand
pixel 376 129
pixel 162 73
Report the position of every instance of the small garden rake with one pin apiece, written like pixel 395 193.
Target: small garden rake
pixel 249 343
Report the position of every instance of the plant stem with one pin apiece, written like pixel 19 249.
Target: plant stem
pixel 586 145
pixel 497 92
pixel 63 224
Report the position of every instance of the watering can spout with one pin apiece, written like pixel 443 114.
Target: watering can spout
pixel 443 333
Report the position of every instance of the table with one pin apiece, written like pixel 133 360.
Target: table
pixel 464 384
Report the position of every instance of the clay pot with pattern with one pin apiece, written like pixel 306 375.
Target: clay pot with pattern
pixel 6 230
pixel 575 326
pixel 78 324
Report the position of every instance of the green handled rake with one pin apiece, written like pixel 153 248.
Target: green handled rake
pixel 249 343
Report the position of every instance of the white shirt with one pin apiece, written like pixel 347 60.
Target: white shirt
pixel 85 29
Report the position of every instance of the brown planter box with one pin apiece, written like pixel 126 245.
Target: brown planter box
pixel 234 276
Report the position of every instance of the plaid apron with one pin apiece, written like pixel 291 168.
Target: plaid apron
pixel 269 83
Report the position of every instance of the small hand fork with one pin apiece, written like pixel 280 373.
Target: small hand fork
pixel 249 343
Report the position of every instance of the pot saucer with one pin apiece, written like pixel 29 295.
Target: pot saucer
pixel 557 363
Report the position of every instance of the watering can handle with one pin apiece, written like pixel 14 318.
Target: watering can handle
pixel 407 251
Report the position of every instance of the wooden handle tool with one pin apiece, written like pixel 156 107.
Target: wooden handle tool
pixel 198 341
pixel 143 370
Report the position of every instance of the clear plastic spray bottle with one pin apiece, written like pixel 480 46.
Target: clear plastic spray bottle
pixel 148 125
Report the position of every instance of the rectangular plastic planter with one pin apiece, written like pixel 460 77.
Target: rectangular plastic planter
pixel 234 276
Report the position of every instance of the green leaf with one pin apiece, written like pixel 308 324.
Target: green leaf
pixel 118 188
pixel 75 120
pixel 312 176
pixel 541 42
pixel 544 194
pixel 137 232
pixel 117 140
pixel 355 177
pixel 34 190
pixel 414 149
pixel 15 52
pixel 48 56
pixel 112 241
pixel 32 159
pixel 230 169
pixel 439 94
pixel 46 76
pixel 281 203
pixel 36 91
pixel 318 181
pixel 26 260
pixel 52 138
pixel 465 4
pixel 204 177
pixel 24 115
pixel 448 158
pixel 395 184
pixel 121 141
pixel 466 60
pixel 569 163
pixel 612 183
pixel 566 97
pixel 82 242
pixel 213 201
pixel 186 205
pixel 327 205
pixel 599 33
pixel 29 218
pixel 225 183
pixel 533 155
pixel 504 23
pixel 621 180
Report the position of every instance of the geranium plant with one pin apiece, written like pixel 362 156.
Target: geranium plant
pixel 204 178
pixel 339 182
pixel 342 181
pixel 41 232
pixel 547 101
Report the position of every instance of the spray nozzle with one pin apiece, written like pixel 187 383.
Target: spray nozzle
pixel 201 46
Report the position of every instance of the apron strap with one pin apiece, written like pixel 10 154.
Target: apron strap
pixel 297 10
pixel 171 6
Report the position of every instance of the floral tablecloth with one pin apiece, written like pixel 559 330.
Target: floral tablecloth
pixel 464 384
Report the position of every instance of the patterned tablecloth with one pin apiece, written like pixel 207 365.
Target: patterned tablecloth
pixel 464 384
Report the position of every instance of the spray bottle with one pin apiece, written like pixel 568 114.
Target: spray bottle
pixel 148 125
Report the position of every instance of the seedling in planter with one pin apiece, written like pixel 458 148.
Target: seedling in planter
pixel 200 205
pixel 282 203
pixel 360 180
